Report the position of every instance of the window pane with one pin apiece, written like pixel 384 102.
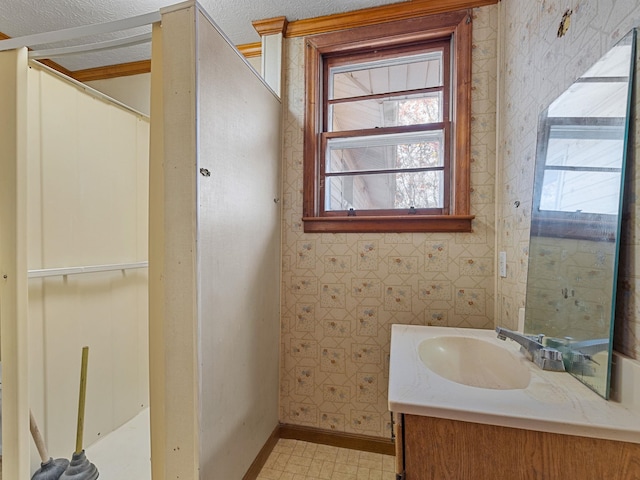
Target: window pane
pixel 592 100
pixel 586 146
pixel 387 112
pixel 385 191
pixel 386 152
pixel 580 191
pixel 385 76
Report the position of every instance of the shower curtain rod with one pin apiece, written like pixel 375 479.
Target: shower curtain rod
pixel 91 47
pixel 78 32
pixel 54 272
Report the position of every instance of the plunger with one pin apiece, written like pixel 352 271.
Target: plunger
pixel 80 468
pixel 50 469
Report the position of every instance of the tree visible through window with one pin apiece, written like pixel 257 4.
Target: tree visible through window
pixel 386 130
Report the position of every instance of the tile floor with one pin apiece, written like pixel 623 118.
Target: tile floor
pixel 296 460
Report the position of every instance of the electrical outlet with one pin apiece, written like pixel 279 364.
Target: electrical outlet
pixel 502 264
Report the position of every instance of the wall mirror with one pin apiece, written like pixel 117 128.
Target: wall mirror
pixel 576 212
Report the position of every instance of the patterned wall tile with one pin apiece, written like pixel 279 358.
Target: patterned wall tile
pixel 304 348
pixel 333 360
pixel 403 265
pixel 336 393
pixel 470 301
pixel 303 413
pixel 333 296
pixel 366 287
pixel 482 194
pixel 304 319
pixel 436 318
pixel 367 321
pixel 397 298
pixel 304 286
pixel 365 422
pixel 337 328
pixel 367 391
pixel 337 263
pixel 332 421
pixel 434 290
pixel 368 255
pixel 437 256
pixel 305 379
pixel 474 267
pixel 362 354
pixel 306 257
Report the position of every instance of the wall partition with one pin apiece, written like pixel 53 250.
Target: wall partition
pixel 214 252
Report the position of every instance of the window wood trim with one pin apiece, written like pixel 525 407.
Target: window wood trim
pixel 456 24
pixel 379 15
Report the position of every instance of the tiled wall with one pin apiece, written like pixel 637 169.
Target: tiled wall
pixel 342 292
pixel 535 67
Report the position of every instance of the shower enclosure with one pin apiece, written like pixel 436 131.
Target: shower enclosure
pixel 86 199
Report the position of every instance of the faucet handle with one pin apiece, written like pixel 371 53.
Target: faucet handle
pixel 549 359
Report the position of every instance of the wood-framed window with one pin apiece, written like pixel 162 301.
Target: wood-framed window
pixel 387 127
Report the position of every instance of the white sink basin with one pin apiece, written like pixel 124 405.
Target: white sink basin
pixel 552 402
pixel 474 362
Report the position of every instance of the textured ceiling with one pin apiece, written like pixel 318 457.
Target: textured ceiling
pixel 234 17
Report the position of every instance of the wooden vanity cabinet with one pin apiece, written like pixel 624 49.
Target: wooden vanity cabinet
pixel 441 449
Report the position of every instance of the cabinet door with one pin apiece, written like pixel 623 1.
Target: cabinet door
pixel 441 449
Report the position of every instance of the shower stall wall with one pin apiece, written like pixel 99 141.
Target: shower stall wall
pixel 74 218
pixel 87 210
pixel 74 194
pixel 214 252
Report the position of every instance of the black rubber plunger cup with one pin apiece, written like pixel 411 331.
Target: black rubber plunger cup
pixel 51 469
pixel 80 468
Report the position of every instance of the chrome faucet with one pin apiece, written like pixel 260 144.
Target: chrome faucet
pixel 546 358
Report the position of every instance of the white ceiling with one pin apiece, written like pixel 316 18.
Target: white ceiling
pixel 234 17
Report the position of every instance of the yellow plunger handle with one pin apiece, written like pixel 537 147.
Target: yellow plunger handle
pixel 81 402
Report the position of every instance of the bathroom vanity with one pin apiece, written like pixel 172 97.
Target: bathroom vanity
pixel 478 424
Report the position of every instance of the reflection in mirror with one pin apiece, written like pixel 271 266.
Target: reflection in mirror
pixel 575 219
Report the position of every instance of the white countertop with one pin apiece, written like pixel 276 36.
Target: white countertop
pixel 553 402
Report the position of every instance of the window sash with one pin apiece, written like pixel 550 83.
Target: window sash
pixel 337 108
pixel 397 60
pixel 396 34
pixel 379 136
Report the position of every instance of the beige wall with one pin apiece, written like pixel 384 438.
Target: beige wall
pixel 535 67
pixel 87 205
pixel 133 90
pixel 342 292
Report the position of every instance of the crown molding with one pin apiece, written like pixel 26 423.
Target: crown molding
pixel 270 26
pixel 111 71
pixel 378 15
pixel 251 49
